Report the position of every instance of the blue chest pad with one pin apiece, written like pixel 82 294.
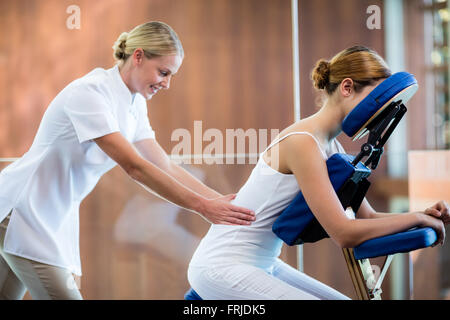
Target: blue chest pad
pixel 297 220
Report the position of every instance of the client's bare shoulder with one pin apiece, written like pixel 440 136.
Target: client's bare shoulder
pixel 276 156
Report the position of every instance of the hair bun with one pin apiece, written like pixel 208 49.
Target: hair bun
pixel 120 46
pixel 123 40
pixel 321 74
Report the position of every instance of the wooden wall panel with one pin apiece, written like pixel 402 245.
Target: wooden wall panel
pixel 415 64
pixel 237 69
pixel 236 74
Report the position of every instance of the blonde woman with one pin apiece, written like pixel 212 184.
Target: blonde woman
pixel 241 262
pixel 94 123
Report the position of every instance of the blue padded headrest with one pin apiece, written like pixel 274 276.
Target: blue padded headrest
pixel 399 86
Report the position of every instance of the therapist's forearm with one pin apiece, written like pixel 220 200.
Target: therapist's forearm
pixel 166 186
pixel 187 179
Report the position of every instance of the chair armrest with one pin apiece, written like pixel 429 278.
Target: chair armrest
pixel 405 241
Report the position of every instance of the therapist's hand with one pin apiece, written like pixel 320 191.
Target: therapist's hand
pixel 221 211
pixel 440 210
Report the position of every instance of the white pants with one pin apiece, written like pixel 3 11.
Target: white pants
pixel 246 282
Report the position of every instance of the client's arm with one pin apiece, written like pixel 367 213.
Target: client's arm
pixel 439 210
pixel 301 155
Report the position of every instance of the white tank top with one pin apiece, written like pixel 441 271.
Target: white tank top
pixel 267 192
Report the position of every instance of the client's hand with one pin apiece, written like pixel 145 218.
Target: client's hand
pixel 436 223
pixel 440 210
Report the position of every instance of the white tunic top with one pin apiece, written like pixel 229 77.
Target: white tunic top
pixel 267 192
pixel 45 187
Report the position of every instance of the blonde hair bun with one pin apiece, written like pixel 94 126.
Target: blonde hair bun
pixel 120 45
pixel 155 38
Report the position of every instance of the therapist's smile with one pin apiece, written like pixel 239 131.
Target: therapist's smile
pixel 154 89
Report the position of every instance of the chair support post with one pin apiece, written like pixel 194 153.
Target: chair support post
pixel 362 274
pixel 387 263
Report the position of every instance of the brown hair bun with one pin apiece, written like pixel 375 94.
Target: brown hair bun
pixel 361 64
pixel 321 74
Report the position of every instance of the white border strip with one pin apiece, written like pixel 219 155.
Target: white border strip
pixel 188 156
pixel 216 156
pixel 397 162
pixel 295 59
pixel 8 159
pixel 296 91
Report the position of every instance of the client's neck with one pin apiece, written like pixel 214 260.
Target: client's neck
pixel 329 120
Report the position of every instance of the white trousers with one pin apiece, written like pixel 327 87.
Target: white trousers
pixel 247 282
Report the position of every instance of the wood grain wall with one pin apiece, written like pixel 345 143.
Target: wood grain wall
pixel 415 63
pixel 237 73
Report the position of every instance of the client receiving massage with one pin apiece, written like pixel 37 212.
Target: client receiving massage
pixel 241 262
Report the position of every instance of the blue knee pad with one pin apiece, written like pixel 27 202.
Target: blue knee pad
pixel 191 295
